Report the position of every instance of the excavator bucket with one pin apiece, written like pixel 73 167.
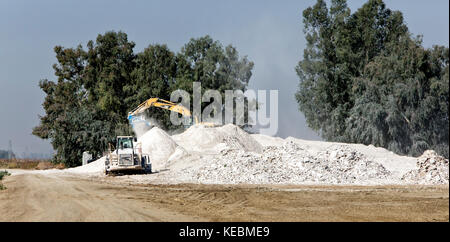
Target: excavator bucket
pixel 138 120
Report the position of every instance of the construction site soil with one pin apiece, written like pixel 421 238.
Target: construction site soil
pixel 59 197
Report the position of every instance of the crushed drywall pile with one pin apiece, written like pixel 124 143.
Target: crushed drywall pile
pixel 201 139
pixel 159 146
pixel 291 164
pixel 431 169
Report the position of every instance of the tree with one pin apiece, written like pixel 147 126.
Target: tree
pixel 109 64
pixel 84 108
pixel 218 68
pixel 403 101
pixel 363 79
pixel 153 76
pixel 215 67
pixel 62 98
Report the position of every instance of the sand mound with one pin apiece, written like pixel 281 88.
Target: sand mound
pixel 199 138
pixel 431 169
pixel 159 146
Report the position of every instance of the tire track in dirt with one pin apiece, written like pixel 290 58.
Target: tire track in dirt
pixel 32 197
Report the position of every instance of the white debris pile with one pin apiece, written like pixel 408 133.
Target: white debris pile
pixel 159 146
pixel 346 165
pixel 229 155
pixel 199 138
pixel 96 166
pixel 431 169
pixel 290 163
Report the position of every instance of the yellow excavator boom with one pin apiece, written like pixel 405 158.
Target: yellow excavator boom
pixel 160 103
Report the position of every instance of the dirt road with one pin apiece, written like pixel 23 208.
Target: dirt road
pixel 30 197
pixel 33 197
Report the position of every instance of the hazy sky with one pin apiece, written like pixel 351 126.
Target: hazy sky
pixel 268 32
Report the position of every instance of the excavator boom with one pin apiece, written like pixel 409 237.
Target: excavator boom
pixel 160 103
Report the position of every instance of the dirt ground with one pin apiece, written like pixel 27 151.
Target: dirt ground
pixel 52 197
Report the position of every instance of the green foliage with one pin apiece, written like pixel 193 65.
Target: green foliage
pixel 109 64
pixel 364 79
pixel 85 108
pixel 215 67
pixel 153 76
pixel 96 88
pixel 3 174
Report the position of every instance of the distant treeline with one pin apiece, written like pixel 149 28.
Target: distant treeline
pixel 364 79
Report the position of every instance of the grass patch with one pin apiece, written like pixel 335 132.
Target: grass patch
pixel 3 174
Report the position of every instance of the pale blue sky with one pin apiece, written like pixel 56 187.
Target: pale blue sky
pixel 268 32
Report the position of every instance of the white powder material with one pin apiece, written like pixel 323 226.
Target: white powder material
pixel 97 166
pixel 159 146
pixel 199 138
pixel 266 140
pixel 290 164
pixel 179 154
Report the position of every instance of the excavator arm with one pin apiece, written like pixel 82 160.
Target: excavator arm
pixel 160 103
